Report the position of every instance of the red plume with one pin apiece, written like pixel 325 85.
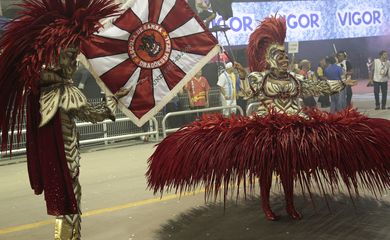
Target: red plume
pixel 35 39
pixel 272 30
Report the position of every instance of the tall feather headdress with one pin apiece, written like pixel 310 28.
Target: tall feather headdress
pixel 272 30
pixel 34 40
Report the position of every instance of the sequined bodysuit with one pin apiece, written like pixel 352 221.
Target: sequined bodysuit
pixel 285 96
pixel 72 104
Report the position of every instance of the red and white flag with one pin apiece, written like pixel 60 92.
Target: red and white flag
pixel 155 47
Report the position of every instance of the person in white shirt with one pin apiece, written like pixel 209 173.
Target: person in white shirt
pixel 227 85
pixel 380 77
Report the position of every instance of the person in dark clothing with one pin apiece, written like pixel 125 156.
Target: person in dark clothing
pixel 323 99
pixel 173 106
pixel 85 81
pixel 305 70
pixel 203 8
pixel 347 68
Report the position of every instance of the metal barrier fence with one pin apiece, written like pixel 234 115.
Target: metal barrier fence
pixel 166 121
pixel 122 129
pixel 213 109
pixel 251 108
pixel 102 132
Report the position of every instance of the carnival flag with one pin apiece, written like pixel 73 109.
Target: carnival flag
pixel 155 47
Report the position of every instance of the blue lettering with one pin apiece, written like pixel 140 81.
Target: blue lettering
pixel 247 23
pixel 364 18
pixel 232 21
pixel 356 20
pixel 219 21
pixel 314 20
pixel 216 21
pixel 343 20
pixel 304 21
pixel 293 24
pixel 376 17
pixel 236 23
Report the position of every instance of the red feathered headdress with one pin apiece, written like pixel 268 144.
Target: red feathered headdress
pixel 35 39
pixel 272 30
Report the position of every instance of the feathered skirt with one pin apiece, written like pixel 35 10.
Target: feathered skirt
pixel 324 150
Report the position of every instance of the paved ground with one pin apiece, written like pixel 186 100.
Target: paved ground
pixel 117 205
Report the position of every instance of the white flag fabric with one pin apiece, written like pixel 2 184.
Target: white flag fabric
pixel 155 47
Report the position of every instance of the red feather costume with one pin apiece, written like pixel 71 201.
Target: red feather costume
pixel 304 147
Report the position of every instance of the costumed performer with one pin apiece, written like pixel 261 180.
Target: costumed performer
pixel 300 146
pixel 39 58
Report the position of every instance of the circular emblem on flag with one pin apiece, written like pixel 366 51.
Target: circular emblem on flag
pixel 150 46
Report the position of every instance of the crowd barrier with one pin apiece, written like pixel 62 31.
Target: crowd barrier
pixel 163 123
pixel 166 130
pixel 251 108
pixel 104 132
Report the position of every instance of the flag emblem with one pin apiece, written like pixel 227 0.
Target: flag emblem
pixel 155 47
pixel 150 46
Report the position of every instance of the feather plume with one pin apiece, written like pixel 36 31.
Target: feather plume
pixel 272 30
pixel 34 40
pixel 324 151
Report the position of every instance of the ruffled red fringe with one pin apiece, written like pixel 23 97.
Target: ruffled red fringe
pixel 327 150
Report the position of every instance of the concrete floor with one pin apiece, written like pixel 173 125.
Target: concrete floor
pixel 117 205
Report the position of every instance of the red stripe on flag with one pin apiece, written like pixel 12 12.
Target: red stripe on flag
pixel 200 43
pixel 102 47
pixel 178 16
pixel 118 76
pixel 172 74
pixel 155 10
pixel 143 99
pixel 128 21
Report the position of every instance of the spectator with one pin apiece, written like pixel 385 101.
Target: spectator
pixel 369 69
pixel 343 62
pixel 305 70
pixel 173 106
pixel 380 77
pixel 320 75
pixel 334 72
pixel 227 82
pixel 243 91
pixel 323 99
pixel 294 66
pixel 198 92
pixel 87 83
pixel 145 128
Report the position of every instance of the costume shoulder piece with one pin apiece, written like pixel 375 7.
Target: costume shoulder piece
pixel 67 98
pixel 297 76
pixel 256 81
pixel 256 77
